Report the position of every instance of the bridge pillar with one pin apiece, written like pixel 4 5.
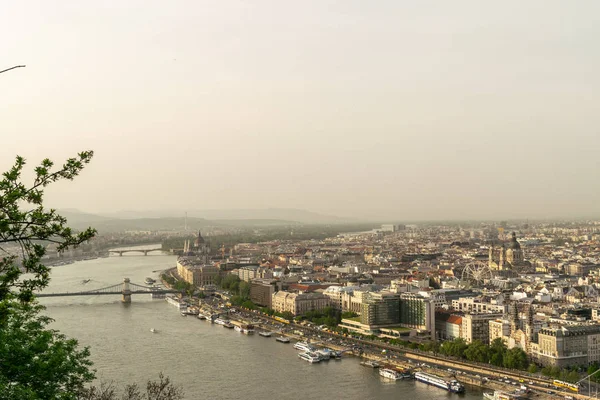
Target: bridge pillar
pixel 145 252
pixel 120 254
pixel 126 291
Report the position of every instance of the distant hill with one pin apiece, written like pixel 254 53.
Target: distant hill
pixel 283 214
pixel 80 220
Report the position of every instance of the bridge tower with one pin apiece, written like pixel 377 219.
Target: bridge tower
pixel 126 291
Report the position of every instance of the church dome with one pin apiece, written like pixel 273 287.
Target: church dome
pixel 199 240
pixel 514 244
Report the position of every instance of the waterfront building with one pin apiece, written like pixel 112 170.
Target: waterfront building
pixel 567 346
pixel 382 308
pixel 193 271
pixel 417 312
pixel 336 294
pixel 299 303
pixel 352 301
pixel 261 292
pixel 477 327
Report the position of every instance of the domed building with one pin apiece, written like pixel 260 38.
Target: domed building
pixel 514 254
pixel 506 256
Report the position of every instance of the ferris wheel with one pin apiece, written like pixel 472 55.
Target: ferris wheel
pixel 476 273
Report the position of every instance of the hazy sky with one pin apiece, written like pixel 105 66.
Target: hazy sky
pixel 399 109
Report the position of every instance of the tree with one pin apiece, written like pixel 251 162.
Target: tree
pixel 244 290
pixel 515 358
pixel 26 226
pixel 163 389
pixel 456 348
pixel 35 362
pixel 477 351
pixel 532 369
pixel 497 350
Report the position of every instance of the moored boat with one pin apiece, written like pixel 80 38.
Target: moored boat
pixel 228 325
pixel 451 385
pixel 282 339
pixel 175 302
pixel 500 395
pixel 370 363
pixel 310 357
pixel 303 346
pixel 390 374
pixel 324 354
pixel 265 334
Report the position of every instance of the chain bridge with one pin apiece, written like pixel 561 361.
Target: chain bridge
pixel 126 289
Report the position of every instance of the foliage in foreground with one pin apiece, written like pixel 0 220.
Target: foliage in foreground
pixel 26 226
pixel 162 389
pixel 37 362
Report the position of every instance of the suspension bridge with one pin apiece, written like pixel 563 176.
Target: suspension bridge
pixel 126 289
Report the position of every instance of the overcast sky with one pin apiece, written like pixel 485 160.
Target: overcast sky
pixel 395 109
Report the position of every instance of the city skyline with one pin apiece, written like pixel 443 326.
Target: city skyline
pixel 395 111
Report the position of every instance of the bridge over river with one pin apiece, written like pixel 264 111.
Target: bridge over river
pixel 120 252
pixel 126 289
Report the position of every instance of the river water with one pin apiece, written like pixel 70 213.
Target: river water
pixel 207 361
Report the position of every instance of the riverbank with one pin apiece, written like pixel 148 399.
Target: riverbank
pixel 58 262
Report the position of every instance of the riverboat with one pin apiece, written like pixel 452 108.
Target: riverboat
pixel 310 357
pixel 451 385
pixel 500 395
pixel 265 334
pixel 303 346
pixel 150 281
pixel 220 321
pixel 175 302
pixel 228 325
pixel 370 363
pixel 389 374
pixel 201 316
pixel 324 354
pixel 282 339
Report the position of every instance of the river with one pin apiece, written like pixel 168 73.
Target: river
pixel 207 361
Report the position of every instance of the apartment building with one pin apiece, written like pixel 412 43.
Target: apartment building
pixel 477 327
pixel 299 303
pixel 567 345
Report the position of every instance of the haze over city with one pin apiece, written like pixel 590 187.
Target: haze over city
pixel 400 110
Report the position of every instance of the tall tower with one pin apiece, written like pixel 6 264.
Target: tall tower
pixel 529 323
pixel 514 317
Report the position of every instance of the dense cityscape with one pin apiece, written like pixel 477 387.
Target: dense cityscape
pixel 300 200
pixel 459 290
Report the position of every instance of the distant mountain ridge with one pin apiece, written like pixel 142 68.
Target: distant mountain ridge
pixel 285 214
pixel 155 220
